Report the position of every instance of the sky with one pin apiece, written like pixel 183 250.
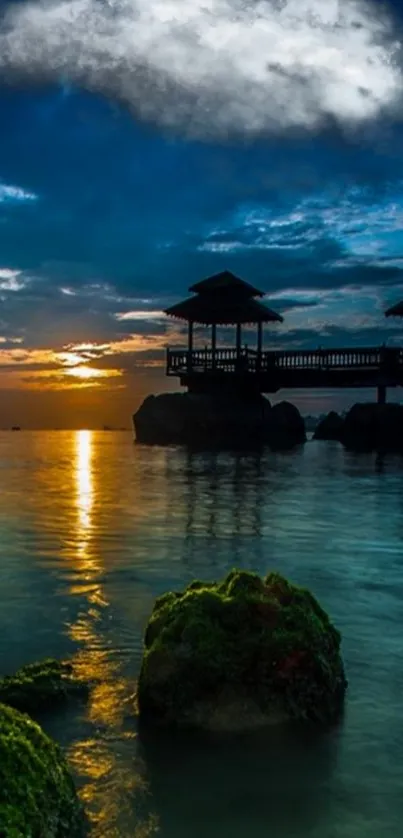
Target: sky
pixel 147 144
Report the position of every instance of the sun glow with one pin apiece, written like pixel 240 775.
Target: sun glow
pixel 86 372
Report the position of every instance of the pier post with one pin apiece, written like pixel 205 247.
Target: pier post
pixel 190 346
pixel 381 393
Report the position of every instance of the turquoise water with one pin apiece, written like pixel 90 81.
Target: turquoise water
pixel 94 528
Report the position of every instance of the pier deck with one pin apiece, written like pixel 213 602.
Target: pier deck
pixel 203 370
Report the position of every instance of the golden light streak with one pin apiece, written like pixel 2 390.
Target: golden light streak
pixel 95 759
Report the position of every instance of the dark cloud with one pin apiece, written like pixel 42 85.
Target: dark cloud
pixel 127 217
pixel 329 335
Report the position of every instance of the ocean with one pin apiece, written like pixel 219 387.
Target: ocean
pixel 94 528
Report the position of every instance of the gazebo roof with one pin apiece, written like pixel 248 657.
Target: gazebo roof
pixel 214 309
pixel 395 311
pixel 226 281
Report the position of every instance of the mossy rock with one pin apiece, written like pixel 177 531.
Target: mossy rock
pixel 37 794
pixel 40 686
pixel 239 654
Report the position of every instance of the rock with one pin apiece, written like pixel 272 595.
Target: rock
pixel 366 427
pixel 286 426
pixel 238 655
pixel 40 686
pixel 218 421
pixel 331 427
pixel 37 794
pixel 374 427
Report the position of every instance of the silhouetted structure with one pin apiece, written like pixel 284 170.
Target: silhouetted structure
pixel 395 311
pixel 224 300
pixel 220 300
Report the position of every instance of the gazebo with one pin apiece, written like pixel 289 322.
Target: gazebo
pixel 221 300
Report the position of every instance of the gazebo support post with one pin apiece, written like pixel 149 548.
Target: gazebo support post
pixel 259 344
pixel 190 346
pixel 238 340
pixel 213 344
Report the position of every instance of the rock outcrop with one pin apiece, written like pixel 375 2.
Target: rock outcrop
pixel 193 419
pixel 37 794
pixel 41 686
pixel 331 427
pixel 374 427
pixel 240 654
pixel 366 427
pixel 285 426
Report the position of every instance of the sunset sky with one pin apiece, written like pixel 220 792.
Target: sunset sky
pixel 145 144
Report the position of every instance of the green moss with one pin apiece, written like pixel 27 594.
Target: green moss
pixel 40 686
pixel 37 795
pixel 266 641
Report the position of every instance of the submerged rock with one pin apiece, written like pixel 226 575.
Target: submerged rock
pixel 37 794
pixel 374 427
pixel 40 686
pixel 240 654
pixel 331 427
pixel 217 420
pixel 273 783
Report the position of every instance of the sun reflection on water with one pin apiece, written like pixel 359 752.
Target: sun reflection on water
pixel 86 558
pixel 84 485
pixel 94 758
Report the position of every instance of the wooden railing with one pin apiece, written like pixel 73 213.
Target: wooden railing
pixel 182 362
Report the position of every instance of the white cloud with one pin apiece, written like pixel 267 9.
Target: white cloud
pixel 14 193
pixel 213 67
pixel 223 247
pixel 11 280
pixel 140 315
pixel 8 273
pixel 304 295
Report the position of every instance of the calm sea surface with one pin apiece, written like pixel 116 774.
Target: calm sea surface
pixel 94 528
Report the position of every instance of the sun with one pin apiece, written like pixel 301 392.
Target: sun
pixel 85 372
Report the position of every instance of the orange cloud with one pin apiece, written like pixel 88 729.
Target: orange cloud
pixel 58 379
pixel 75 366
pixel 28 357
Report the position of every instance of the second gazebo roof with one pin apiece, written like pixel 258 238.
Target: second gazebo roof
pixel 226 282
pixel 395 311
